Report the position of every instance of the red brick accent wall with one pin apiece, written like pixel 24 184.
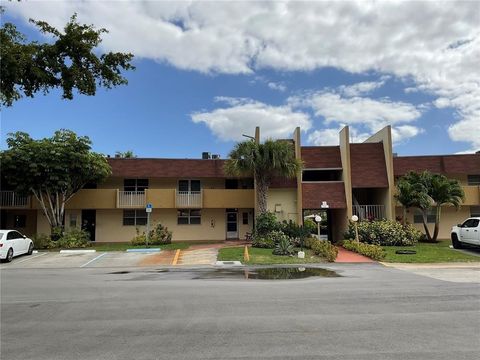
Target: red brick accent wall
pixel 444 164
pixel 368 165
pixel 314 193
pixel 321 156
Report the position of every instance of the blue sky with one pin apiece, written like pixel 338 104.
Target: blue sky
pixel 176 105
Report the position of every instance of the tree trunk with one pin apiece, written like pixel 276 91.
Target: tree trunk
pixel 262 195
pixel 437 223
pixel 425 226
pixel 404 218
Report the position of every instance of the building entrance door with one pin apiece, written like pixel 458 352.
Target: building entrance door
pixel 232 224
pixel 88 222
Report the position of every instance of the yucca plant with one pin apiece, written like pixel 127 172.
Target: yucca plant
pixel 283 247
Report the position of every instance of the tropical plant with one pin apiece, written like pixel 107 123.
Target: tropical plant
pixel 385 233
pixel 52 169
pixel 283 247
pixel 430 191
pixel 159 235
pixel 125 154
pixel 374 252
pixel 263 162
pixel 324 248
pixel 73 238
pixel 69 62
pixel 266 223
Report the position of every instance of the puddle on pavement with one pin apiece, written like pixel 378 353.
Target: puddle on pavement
pixel 277 273
pixel 266 273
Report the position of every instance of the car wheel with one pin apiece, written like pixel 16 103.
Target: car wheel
pixel 30 249
pixel 456 244
pixel 9 255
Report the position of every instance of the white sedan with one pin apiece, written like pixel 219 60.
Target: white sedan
pixel 12 243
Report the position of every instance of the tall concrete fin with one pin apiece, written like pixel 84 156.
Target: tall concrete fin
pixel 385 136
pixel 346 169
pixel 298 155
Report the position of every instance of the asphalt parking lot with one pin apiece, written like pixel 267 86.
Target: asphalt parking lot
pixel 50 260
pixel 368 312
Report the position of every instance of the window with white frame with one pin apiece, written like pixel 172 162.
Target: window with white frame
pixel 135 184
pixel 134 217
pixel 473 179
pixel 475 211
pixel 418 217
pixel 189 217
pixel 189 185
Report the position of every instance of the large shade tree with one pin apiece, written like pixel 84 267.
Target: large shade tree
pixel 69 62
pixel 52 169
pixel 263 162
pixel 426 191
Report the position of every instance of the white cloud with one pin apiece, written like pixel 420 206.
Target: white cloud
pixel 277 86
pixel 397 38
pixel 330 136
pixel 243 115
pixel 371 113
pixel 361 88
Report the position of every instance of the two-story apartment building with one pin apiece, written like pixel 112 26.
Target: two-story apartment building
pixel 196 200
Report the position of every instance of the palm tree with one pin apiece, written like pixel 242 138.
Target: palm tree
pixel 263 162
pixel 444 191
pixel 426 191
pixel 411 193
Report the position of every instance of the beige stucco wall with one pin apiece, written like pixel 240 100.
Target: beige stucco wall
pixel 287 199
pixel 110 228
pixel 449 217
pixel 43 227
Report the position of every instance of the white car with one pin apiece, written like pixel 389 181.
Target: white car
pixel 12 243
pixel 466 233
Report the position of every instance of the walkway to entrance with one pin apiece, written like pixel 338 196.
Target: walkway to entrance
pixel 346 256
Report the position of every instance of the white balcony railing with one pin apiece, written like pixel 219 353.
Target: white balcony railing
pixel 188 199
pixel 369 212
pixel 12 199
pixel 131 199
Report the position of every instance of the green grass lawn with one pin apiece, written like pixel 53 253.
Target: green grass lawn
pixel 265 256
pixel 428 253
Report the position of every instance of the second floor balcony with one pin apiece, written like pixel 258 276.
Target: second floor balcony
pixel 11 199
pixel 131 199
pixel 369 212
pixel 189 199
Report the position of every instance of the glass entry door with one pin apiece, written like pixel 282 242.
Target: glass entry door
pixel 232 224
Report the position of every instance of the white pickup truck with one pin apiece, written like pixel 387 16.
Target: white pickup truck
pixel 466 233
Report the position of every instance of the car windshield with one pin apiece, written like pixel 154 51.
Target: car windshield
pixel 1 236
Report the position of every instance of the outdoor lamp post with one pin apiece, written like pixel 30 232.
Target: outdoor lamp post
pixel 318 219
pixel 355 221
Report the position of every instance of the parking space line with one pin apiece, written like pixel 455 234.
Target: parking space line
pixel 30 258
pixel 94 259
pixel 175 259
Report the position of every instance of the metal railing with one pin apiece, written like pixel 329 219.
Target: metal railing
pixel 12 199
pixel 134 199
pixel 188 199
pixel 369 212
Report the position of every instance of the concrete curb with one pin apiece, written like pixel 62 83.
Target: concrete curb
pixel 144 250
pixel 77 251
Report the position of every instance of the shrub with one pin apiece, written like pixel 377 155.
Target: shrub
pixel 384 232
pixel 266 223
pixel 310 226
pixel 309 242
pixel 159 235
pixel 263 242
pixel 42 241
pixel 296 232
pixel 74 238
pixel 325 249
pixel 283 247
pixel 374 252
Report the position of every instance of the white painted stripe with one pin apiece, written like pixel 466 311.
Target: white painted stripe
pixel 94 259
pixel 30 258
pixel 77 251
